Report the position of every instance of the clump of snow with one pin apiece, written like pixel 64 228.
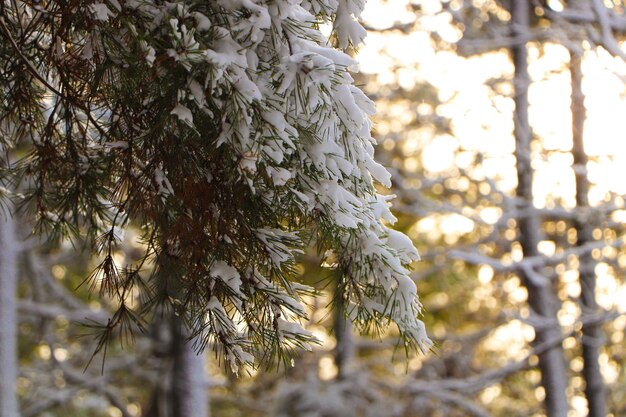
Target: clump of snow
pixel 183 114
pixel 228 275
pixel 100 11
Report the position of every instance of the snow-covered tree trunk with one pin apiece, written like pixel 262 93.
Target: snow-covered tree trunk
pixel 541 298
pixel 595 391
pixel 190 392
pixel 8 317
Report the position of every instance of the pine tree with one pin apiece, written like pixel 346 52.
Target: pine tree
pixel 232 135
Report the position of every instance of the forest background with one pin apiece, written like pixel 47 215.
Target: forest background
pixel 500 122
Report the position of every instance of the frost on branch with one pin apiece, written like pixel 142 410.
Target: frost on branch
pixel 243 134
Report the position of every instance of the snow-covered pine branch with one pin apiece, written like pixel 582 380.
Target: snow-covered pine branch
pixel 228 131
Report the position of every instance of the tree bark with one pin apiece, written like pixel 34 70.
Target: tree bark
pixel 592 340
pixel 541 297
pixel 190 391
pixel 183 390
pixel 8 317
pixel 344 349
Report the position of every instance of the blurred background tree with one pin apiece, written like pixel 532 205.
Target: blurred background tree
pixel 522 263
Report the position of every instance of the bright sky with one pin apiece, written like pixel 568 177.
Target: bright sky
pixel 482 120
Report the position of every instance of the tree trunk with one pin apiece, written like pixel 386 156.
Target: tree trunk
pixel 541 297
pixel 182 391
pixel 344 349
pixel 190 392
pixel 592 333
pixel 8 317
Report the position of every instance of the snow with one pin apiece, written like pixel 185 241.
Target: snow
pixel 197 91
pixel 100 11
pixel 334 56
pixel 87 54
pixel 228 275
pixel 202 22
pixel 225 51
pixel 279 176
pixel 150 55
pixel 379 172
pixel 164 185
pixel 247 88
pixel 292 328
pixel 183 114
pixel 403 245
pixel 349 30
pixel 277 244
